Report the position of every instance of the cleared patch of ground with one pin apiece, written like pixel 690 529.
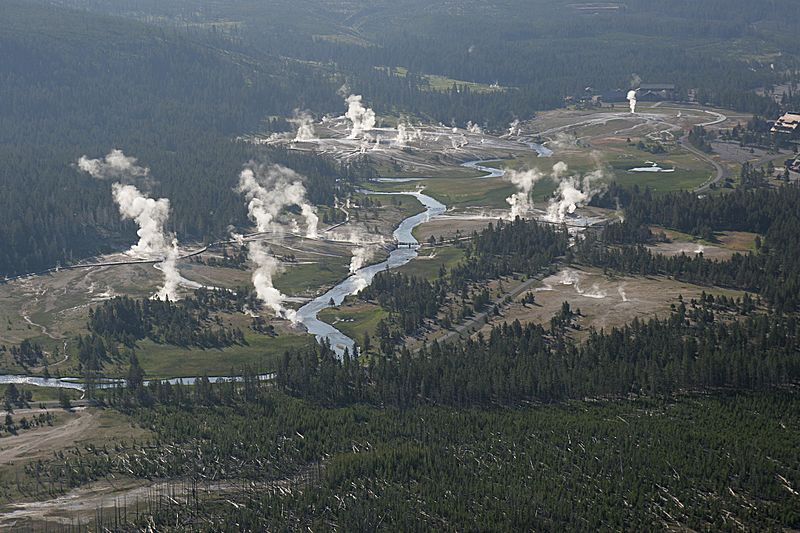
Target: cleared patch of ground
pixel 604 301
pixel 79 427
pixel 355 318
pixel 430 260
pixel 740 241
pixel 726 244
pixel 454 226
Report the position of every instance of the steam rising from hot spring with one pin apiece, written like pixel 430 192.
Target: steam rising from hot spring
pixel 362 118
pixel 271 189
pixel 150 215
pixel 573 192
pixel 632 100
pixel 521 202
pixel 305 126
pixel 266 268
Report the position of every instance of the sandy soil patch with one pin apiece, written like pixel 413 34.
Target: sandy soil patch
pixel 604 301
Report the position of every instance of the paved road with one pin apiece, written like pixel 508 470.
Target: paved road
pixel 720 171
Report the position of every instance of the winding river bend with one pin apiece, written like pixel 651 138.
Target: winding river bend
pixel 363 277
pixel 308 313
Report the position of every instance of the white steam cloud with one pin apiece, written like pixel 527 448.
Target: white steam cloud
pixel 172 276
pixel 115 165
pixel 570 277
pixel 474 128
pixel 521 202
pixel 622 294
pixel 150 215
pixel 632 100
pixel 363 252
pixel 269 190
pixel 266 268
pixel 305 126
pixel 363 118
pixel 572 192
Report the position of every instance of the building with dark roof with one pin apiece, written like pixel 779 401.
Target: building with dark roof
pixel 654 92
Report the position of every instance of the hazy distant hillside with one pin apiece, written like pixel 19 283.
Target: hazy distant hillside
pixel 174 82
pixel 77 83
pixel 514 42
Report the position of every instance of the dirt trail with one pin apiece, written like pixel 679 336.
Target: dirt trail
pixel 81 505
pixel 40 442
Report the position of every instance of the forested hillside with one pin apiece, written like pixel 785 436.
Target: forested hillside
pixel 173 83
pixel 76 83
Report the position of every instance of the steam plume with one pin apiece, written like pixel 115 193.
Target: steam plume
pixel 150 215
pixel 621 291
pixel 363 118
pixel 632 100
pixel 513 128
pixel 520 202
pixel 569 277
pixel 474 128
pixel 171 274
pixel 363 253
pixel 266 268
pixel 269 190
pixel 114 165
pixel 305 126
pixel 572 193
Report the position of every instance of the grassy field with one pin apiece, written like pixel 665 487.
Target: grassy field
pixel 307 279
pixel 440 83
pixel 459 192
pixel 354 318
pixel 428 268
pixel 169 361
pixel 42 394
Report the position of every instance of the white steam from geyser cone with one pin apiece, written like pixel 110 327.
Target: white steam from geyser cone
pixel 474 128
pixel 305 126
pixel 271 189
pixel 520 202
pixel 572 193
pixel 632 100
pixel 362 118
pixel 363 252
pixel 266 268
pixel 149 214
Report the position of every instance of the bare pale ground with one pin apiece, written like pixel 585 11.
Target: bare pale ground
pixel 40 442
pixel 82 425
pixel 51 305
pixel 604 301
pixel 691 249
pixel 83 504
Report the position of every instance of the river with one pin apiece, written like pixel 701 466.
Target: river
pixel 363 277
